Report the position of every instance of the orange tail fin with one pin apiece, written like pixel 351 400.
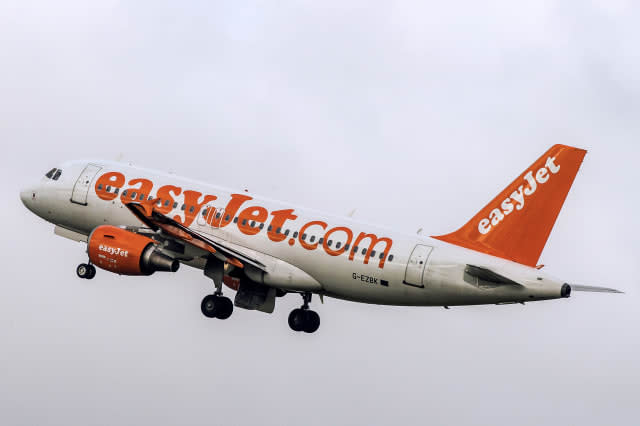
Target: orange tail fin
pixel 516 224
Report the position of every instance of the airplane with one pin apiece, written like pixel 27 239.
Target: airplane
pixel 137 221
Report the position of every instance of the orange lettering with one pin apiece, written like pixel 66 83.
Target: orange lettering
pixel 302 232
pixel 145 188
pixel 257 213
pixel 193 207
pixel 374 241
pixel 164 193
pixel 111 179
pixel 279 218
pixel 229 212
pixel 327 236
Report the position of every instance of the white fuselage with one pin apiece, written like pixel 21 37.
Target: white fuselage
pixel 388 267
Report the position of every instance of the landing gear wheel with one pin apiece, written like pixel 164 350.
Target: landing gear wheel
pixel 225 308
pixel 92 272
pixel 214 306
pixel 83 270
pixel 208 306
pixel 296 319
pixel 311 321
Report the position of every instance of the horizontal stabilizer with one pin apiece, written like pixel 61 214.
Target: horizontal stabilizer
pixel 576 287
pixel 488 275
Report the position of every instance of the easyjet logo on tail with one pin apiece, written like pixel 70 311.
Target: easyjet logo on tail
pixel 517 200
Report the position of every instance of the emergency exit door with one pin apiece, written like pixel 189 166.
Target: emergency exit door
pixel 416 265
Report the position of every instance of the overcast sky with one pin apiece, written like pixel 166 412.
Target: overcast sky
pixel 415 114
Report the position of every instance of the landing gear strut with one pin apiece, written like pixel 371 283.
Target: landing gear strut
pixel 86 271
pixel 216 305
pixel 304 319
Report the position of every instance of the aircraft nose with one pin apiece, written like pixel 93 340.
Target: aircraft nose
pixel 27 195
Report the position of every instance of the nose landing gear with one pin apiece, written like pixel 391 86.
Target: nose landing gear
pixel 304 319
pixel 86 271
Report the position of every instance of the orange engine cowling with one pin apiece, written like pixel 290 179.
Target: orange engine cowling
pixel 126 253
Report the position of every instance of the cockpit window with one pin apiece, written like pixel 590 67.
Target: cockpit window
pixel 56 176
pixel 50 173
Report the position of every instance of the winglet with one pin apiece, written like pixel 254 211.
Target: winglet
pixel 516 224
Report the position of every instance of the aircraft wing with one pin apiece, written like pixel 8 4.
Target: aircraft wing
pixel 170 228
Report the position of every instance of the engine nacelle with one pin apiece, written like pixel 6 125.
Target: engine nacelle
pixel 126 253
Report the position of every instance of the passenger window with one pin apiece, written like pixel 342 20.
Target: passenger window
pixel 373 253
pixel 295 234
pixel 166 203
pixel 304 237
pixel 175 205
pixel 204 213
pixel 338 244
pixel 109 188
pixel 218 215
pixel 183 207
pixel 253 223
pixel 278 230
pixel 269 228
pixel 56 176
pixel 364 251
pixel 235 220
pixel 261 225
pixel 192 209
pixel 244 222
pixel 100 187
pixel 286 233
pixel 116 191
pixel 50 173
pixel 312 239
pixel 133 195
pixel 346 247
pixel 141 197
pixel 329 243
pixel 390 258
pixel 124 193
pixel 227 217
pixel 381 255
pixel 320 240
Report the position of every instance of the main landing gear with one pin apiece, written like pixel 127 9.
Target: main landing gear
pixel 87 271
pixel 304 319
pixel 216 305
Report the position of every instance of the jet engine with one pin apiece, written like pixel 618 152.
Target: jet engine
pixel 126 253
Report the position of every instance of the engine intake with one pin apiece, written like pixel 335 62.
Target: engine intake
pixel 126 253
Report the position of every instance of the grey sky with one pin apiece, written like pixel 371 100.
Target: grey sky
pixel 416 114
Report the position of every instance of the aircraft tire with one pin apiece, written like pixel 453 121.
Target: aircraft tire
pixel 296 320
pixel 91 273
pixel 224 307
pixel 82 270
pixel 311 321
pixel 208 306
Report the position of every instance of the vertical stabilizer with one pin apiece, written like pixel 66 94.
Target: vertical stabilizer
pixel 516 224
